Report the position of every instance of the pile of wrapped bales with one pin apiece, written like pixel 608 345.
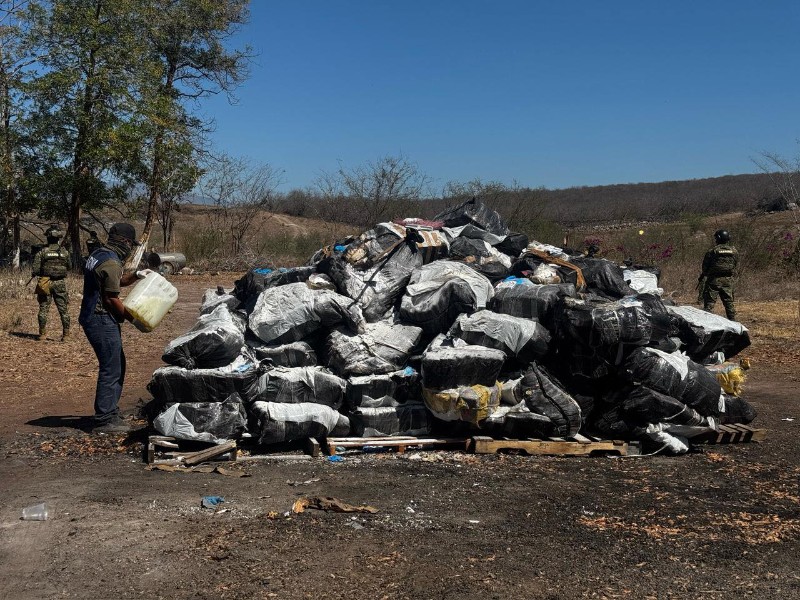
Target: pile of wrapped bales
pixel 455 326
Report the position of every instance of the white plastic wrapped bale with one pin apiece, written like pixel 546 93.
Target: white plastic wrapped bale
pixel 302 385
pixel 212 298
pixel 543 394
pixel 411 418
pixel 384 347
pixel 277 422
pixel 677 376
pixel 176 384
pixel 642 282
pixel 291 312
pixel 377 288
pixel 294 354
pixel 472 404
pixel 445 368
pixel 523 338
pixel 214 422
pixel 704 333
pixel 440 291
pixel 214 341
pixel 387 389
pixel 520 297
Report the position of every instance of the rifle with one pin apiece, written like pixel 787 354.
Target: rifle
pixel 701 284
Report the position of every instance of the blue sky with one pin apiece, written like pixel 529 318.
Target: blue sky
pixel 553 94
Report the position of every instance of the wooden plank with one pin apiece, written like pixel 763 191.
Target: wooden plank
pixel 487 445
pixel 312 447
pixel 734 433
pixel 196 458
pixel 399 444
pixel 582 439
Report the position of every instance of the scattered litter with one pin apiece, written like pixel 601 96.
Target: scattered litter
pixel 329 504
pixel 473 521
pixel 306 482
pixel 37 512
pixel 789 419
pixel 211 501
pixel 336 458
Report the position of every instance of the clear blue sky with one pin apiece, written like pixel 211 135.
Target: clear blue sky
pixel 553 94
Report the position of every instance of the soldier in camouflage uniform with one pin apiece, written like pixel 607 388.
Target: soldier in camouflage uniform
pixel 719 266
pixel 51 265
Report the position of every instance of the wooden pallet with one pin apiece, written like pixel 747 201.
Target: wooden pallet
pixel 578 445
pixel 398 443
pixel 732 434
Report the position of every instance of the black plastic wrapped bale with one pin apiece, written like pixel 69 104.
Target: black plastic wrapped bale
pixel 440 291
pixel 472 404
pixel 642 406
pixel 377 288
pixel 704 333
pixel 599 323
pixel 473 212
pixel 445 368
pixel 461 248
pixel 738 410
pixel 214 341
pixel 291 312
pixel 383 390
pixel 521 338
pixel 609 423
pixel 411 418
pixel 214 297
pixel 256 280
pixel 544 395
pixel 277 423
pixel 601 275
pixel 176 384
pixel 517 422
pixel 677 376
pixel 213 422
pixel 294 354
pixel 384 347
pixel 520 297
pixel 302 384
pixel 513 245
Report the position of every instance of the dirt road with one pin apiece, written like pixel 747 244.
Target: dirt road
pixel 717 524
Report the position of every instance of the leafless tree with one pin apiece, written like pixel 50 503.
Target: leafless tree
pixel 369 193
pixel 240 191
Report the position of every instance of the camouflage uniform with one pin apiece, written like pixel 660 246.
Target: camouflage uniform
pixel 719 265
pixel 53 262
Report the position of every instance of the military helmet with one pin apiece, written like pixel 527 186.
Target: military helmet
pixel 721 236
pixel 54 233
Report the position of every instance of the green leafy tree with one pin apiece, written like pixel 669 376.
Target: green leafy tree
pixel 92 55
pixel 16 60
pixel 187 60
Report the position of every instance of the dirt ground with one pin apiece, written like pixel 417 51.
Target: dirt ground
pixel 712 524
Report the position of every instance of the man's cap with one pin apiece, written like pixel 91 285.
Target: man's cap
pixel 125 231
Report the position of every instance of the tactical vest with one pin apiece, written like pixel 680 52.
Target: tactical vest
pixel 723 261
pixel 55 262
pixel 91 289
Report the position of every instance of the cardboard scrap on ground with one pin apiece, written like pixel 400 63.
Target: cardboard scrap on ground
pixel 329 504
pixel 198 469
